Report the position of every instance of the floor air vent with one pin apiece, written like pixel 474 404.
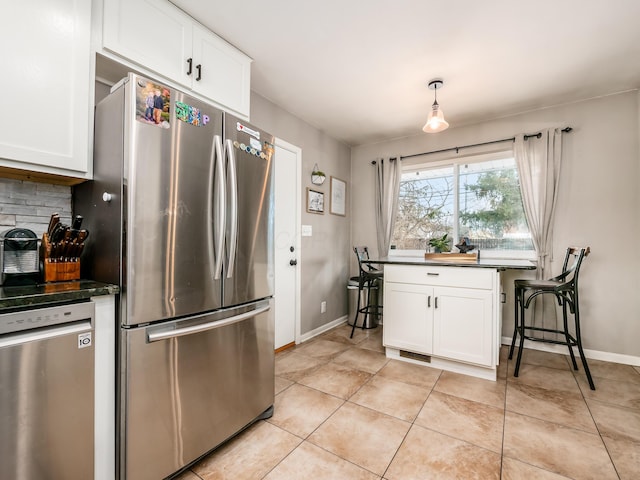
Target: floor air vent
pixel 415 356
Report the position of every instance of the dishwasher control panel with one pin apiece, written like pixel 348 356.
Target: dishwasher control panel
pixel 45 317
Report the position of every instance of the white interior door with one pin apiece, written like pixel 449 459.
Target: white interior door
pixel 288 161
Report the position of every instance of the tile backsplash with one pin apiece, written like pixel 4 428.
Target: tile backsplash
pixel 29 205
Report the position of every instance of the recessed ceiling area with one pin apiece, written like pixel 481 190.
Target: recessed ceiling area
pixel 358 70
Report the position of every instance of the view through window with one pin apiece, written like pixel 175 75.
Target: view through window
pixel 479 200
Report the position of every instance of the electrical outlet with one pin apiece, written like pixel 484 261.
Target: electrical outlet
pixel 323 307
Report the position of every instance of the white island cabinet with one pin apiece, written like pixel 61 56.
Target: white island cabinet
pixel 163 39
pixel 45 126
pixel 408 316
pixel 449 316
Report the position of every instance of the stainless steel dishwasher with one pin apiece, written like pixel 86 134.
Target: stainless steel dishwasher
pixel 47 393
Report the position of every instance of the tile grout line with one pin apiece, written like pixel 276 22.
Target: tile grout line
pixel 412 425
pixel 598 430
pixel 504 426
pixel 351 346
pixel 373 375
pixel 287 455
pixel 571 370
pixel 504 417
pixel 306 439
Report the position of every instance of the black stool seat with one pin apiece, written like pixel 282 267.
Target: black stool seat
pixel 565 289
pixel 546 285
pixel 368 277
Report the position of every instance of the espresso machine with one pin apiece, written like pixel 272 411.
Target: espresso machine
pixel 19 262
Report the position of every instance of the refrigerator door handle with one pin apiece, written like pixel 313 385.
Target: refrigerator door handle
pixel 220 206
pixel 158 336
pixel 233 207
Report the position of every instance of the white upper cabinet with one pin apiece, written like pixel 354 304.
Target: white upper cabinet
pixel 163 39
pixel 222 73
pixel 152 33
pixel 45 124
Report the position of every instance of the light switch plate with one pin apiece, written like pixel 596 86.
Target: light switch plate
pixel 307 230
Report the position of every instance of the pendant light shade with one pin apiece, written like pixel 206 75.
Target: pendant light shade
pixel 435 122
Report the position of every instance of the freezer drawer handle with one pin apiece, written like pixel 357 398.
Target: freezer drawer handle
pixel 155 337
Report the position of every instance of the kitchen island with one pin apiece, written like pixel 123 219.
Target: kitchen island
pixel 444 313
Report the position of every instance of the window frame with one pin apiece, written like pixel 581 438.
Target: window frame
pixel 455 162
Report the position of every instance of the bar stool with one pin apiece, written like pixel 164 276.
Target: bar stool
pixel 565 288
pixel 368 278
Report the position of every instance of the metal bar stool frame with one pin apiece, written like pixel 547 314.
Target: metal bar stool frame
pixel 565 288
pixel 366 278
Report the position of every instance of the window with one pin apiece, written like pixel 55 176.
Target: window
pixel 477 197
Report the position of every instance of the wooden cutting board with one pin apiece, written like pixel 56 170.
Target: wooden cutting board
pixel 453 257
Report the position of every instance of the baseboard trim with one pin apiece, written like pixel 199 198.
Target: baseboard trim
pixel 285 347
pixel 445 364
pixel 595 354
pixel 320 330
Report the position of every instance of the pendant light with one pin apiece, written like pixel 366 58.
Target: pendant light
pixel 436 122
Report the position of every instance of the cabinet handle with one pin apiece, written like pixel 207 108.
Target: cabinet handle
pixel 190 63
pixel 429 301
pixel 436 300
pixel 432 274
pixel 199 69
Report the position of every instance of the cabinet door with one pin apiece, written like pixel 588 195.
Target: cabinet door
pixel 224 71
pixel 462 325
pixel 151 33
pixel 408 323
pixel 45 51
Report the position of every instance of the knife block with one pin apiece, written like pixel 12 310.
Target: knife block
pixel 53 270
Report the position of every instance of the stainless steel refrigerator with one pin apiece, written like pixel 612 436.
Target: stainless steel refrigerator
pixel 180 214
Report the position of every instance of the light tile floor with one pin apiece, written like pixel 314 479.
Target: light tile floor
pixel 345 411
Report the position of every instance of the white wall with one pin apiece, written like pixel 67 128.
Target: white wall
pixel 324 257
pixel 598 205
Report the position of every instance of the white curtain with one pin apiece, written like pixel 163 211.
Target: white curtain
pixel 538 161
pixel 387 186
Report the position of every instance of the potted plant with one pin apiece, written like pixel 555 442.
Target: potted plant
pixel 440 244
pixel 317 176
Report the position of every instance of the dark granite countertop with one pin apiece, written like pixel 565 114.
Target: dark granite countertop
pixel 496 263
pixel 42 295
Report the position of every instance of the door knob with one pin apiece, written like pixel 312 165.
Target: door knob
pixel 291 249
pixel 293 262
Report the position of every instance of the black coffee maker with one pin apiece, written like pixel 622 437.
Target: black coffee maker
pixel 19 263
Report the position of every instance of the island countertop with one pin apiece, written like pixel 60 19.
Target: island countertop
pixel 495 263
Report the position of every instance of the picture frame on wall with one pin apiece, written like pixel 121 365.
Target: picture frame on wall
pixel 338 197
pixel 315 201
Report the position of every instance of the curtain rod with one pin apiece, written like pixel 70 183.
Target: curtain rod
pixel 512 139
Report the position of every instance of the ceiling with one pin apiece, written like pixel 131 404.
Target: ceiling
pixel 358 69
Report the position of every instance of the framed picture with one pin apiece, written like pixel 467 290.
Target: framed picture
pixel 315 201
pixel 338 197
